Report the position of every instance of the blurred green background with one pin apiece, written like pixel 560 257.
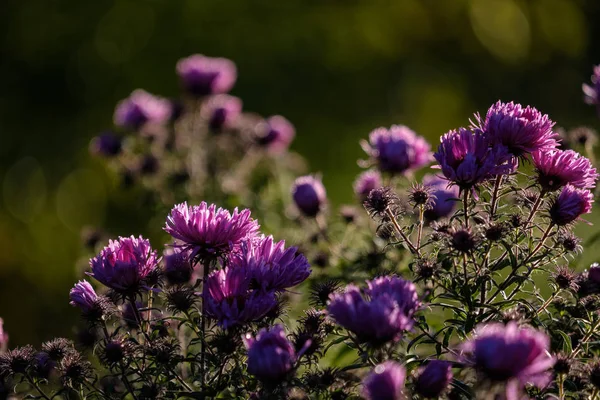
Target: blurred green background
pixel 335 68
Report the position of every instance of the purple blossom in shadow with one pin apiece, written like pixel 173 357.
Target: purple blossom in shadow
pixel 202 76
pixel 556 168
pixel 207 231
pixel 271 266
pixel 594 273
pixel 520 130
pixel 466 158
pixel 445 196
pixel 271 356
pixel 385 382
pixel 510 354
pixel 276 134
pixel 141 108
pixel 570 204
pixel 3 337
pixel 230 300
pixel 178 266
pixel 397 150
pixel 83 296
pixel 366 182
pixel 309 195
pixel 221 111
pixel 124 264
pixel 433 379
pixel 106 144
pixel 382 314
pixel 591 92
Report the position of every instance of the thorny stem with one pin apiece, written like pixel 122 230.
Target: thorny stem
pixel 411 247
pixel 494 201
pixel 421 222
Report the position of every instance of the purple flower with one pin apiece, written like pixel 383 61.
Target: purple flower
pixel 178 268
pixel 433 379
pixel 201 75
pixel 271 356
pixel 309 195
pixel 140 108
pixel 366 182
pixel 570 204
pixel 208 231
pixel 276 135
pixel 83 296
pixel 397 150
pixel 556 168
pixel 3 337
pixel 230 301
pixel 107 145
pixel 521 130
pixel 466 159
pixel 594 273
pixel 124 264
pixel 271 265
pixel 592 92
pixel 385 382
pixel 445 197
pixel 382 314
pixel 221 111
pixel 510 354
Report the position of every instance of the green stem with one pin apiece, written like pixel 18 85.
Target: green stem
pixel 494 201
pixel 466 207
pixel 421 222
pixel 411 247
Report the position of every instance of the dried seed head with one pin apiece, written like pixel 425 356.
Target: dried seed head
pixel 379 200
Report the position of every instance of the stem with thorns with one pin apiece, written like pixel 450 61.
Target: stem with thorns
pixel 421 222
pixel 411 247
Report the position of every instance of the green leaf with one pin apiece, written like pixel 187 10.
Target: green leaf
pixel 567 345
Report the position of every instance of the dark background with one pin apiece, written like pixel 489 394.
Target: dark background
pixel 335 68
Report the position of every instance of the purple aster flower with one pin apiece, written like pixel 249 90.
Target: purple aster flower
pixel 276 135
pixel 124 264
pixel 556 168
pixel 570 204
pixel 178 267
pixel 397 150
pixel 230 301
pixel 271 356
pixel 83 296
pixel 140 108
pixel 208 231
pixel 3 337
pixel 510 354
pixel 382 314
pixel 592 92
pixel 202 76
pixel 106 145
pixel 221 111
pixel 433 379
pixel 271 266
pixel 445 197
pixel 309 195
pixel 521 130
pixel 466 159
pixel 385 382
pixel 366 182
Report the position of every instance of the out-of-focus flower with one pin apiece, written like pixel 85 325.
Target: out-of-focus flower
pixel 466 158
pixel 433 379
pixel 106 144
pixel 570 204
pixel 124 264
pixel 384 382
pixel 382 315
pixel 3 337
pixel 309 195
pixel 397 150
pixel 271 266
pixel 591 92
pixel 556 168
pixel 221 111
pixel 178 266
pixel 445 197
pixel 141 108
pixel 276 134
pixel 271 356
pixel 510 354
pixel 520 130
pixel 202 76
pixel 366 182
pixel 230 300
pixel 208 231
